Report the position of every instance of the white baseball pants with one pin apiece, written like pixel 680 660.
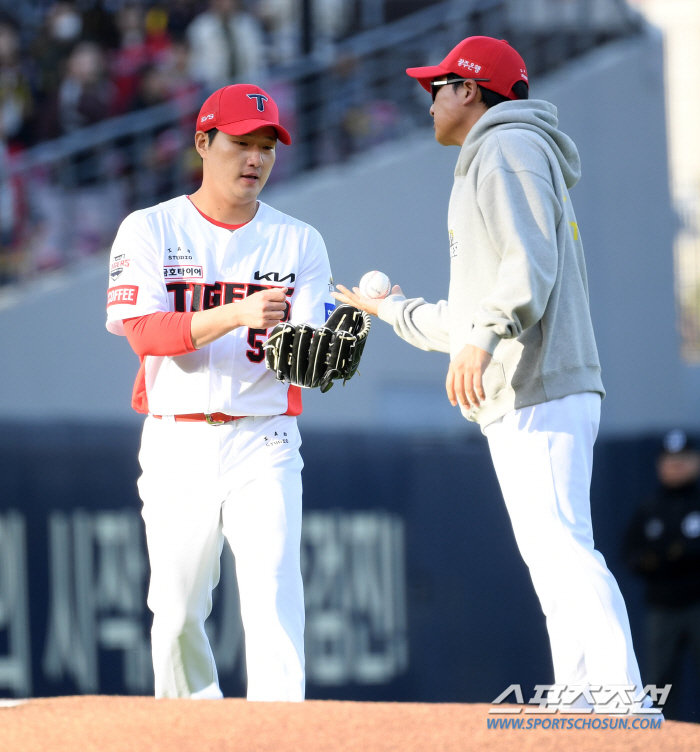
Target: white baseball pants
pixel 200 483
pixel 543 456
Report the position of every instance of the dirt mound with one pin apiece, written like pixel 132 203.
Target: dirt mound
pixel 142 724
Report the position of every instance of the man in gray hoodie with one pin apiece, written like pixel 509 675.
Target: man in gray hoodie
pixel 524 363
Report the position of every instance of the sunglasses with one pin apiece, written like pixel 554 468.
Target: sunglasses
pixel 435 84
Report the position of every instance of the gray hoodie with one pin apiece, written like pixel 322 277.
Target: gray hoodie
pixel 518 286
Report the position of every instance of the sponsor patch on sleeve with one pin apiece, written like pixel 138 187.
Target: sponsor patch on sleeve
pixel 329 309
pixel 122 295
pixel 182 272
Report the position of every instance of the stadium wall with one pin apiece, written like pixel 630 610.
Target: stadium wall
pixel 414 587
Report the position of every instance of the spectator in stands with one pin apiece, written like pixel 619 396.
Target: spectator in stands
pixel 99 24
pixel 167 144
pixel 131 58
pixel 158 39
pixel 180 15
pixel 7 221
pixel 176 67
pixel 153 88
pixel 282 20
pixel 85 94
pixel 226 45
pixel 15 92
pixel 62 30
pixel 353 121
pixel 332 21
pixel 145 45
pixel 663 546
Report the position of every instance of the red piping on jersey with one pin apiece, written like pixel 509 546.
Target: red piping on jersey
pixel 216 221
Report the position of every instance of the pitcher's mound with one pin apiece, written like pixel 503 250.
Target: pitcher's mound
pixel 142 724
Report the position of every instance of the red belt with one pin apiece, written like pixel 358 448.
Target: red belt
pixel 213 419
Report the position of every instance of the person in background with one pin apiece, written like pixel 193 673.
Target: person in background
pixel 62 30
pixel 153 88
pixel 143 56
pixel 130 59
pixel 176 68
pixel 158 39
pixel 84 95
pixel 15 93
pixel 281 20
pixel 226 44
pixel 99 24
pixel 181 14
pixel 662 545
pixel 15 219
pixel 333 20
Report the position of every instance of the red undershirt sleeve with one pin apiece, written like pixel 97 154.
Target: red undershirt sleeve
pixel 160 333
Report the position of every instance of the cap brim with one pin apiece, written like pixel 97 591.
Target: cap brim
pixel 427 74
pixel 241 127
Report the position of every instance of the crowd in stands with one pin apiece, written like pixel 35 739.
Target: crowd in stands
pixel 81 62
pixel 87 61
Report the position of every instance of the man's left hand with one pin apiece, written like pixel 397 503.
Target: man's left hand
pixel 464 377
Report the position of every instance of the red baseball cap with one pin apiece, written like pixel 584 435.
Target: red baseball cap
pixel 493 60
pixel 240 109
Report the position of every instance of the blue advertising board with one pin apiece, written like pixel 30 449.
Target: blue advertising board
pixel 414 587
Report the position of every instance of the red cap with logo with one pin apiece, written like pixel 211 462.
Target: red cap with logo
pixel 482 58
pixel 239 109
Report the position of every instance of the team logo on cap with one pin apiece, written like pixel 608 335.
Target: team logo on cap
pixel 261 100
pixel 204 118
pixel 469 65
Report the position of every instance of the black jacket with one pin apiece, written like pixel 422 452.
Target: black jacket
pixel 663 545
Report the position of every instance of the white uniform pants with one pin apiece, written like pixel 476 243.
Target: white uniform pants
pixel 543 457
pixel 199 483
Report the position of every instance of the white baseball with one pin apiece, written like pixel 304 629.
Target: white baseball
pixel 375 285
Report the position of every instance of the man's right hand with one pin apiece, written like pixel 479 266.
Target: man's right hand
pixel 261 310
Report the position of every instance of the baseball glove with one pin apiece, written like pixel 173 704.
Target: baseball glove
pixel 308 357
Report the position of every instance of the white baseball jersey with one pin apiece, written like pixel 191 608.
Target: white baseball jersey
pixel 171 258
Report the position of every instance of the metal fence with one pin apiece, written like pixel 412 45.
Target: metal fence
pixel 63 200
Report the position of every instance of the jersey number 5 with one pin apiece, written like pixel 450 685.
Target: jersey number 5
pixel 255 337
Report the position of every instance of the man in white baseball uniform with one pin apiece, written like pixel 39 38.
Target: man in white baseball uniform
pixel 195 284
pixel 524 363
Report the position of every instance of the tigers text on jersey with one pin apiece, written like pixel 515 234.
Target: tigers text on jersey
pixel 171 258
